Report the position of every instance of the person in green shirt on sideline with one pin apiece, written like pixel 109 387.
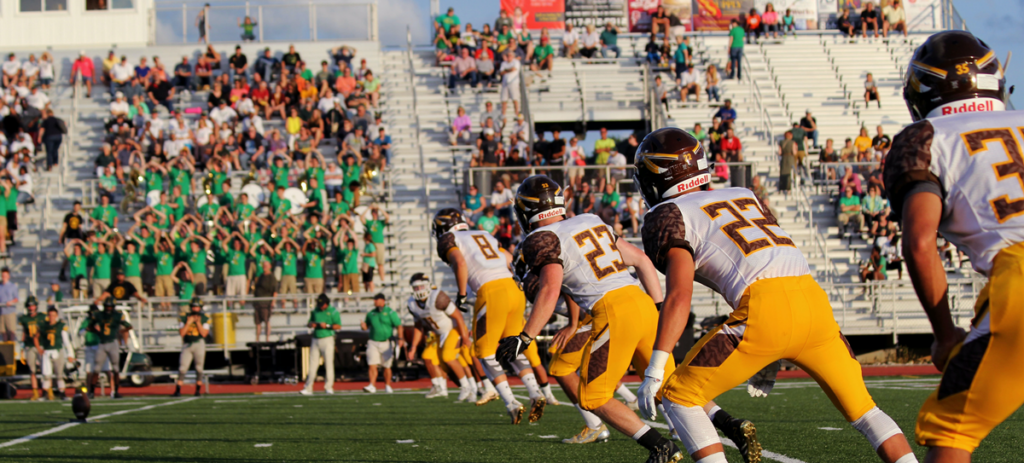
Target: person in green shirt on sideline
pixel 32 350
pixel 381 322
pixel 375 227
pixel 104 214
pixel 324 320
pixel 92 340
pixel 736 36
pixel 369 258
pixel 193 328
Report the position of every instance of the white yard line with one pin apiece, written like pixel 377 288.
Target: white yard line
pixel 95 418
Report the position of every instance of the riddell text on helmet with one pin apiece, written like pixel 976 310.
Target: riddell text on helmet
pixel 974 106
pixel 689 184
pixel 549 214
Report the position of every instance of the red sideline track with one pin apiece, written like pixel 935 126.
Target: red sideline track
pixel 167 389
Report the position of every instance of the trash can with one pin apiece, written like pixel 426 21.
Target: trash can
pixel 224 327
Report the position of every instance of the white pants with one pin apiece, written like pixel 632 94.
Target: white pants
pixel 195 351
pixel 380 353
pixel 53 365
pixel 236 285
pixel 325 347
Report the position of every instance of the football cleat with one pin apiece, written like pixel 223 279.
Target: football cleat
pixel 329 391
pixel 35 395
pixel 744 435
pixel 488 397
pixel 665 452
pixel 588 436
pixel 388 389
pixel 369 389
pixel 537 409
pixel 465 393
pixel 437 392
pixel 305 391
pixel 551 400
pixel 116 395
pixel 49 395
pixel 516 411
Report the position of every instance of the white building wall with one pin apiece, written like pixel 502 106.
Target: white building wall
pixel 74 28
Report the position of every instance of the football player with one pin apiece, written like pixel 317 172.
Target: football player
pixel 582 258
pixel 31 350
pixel 111 327
pixel 193 328
pixel 436 312
pixel 724 240
pixel 482 266
pixel 959 171
pixel 55 340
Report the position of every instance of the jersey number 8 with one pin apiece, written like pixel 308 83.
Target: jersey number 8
pixel 485 247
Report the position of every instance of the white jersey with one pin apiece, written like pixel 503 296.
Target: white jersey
pixel 435 312
pixel 585 247
pixel 975 163
pixel 484 260
pixel 733 242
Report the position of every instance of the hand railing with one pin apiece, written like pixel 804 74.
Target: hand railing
pixel 425 183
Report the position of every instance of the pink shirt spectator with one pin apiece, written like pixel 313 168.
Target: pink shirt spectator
pixel 461 65
pixel 461 123
pixel 83 65
pixel 770 17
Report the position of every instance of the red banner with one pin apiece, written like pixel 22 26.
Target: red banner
pixel 640 12
pixel 538 14
pixel 716 14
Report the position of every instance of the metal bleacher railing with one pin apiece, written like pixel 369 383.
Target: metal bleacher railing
pixel 306 21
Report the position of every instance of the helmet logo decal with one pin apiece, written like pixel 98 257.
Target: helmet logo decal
pixel 548 214
pixel 688 184
pixel 940 73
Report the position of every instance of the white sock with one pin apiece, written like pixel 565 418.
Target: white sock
pixel 505 391
pixel 436 382
pixel 530 380
pixel 546 389
pixel 625 393
pixel 671 427
pixel 641 432
pixel 479 384
pixel 711 414
pixel 60 384
pixel 593 422
pixel 716 458
pixel 488 385
pixel 908 458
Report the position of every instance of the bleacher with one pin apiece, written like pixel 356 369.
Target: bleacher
pixel 816 71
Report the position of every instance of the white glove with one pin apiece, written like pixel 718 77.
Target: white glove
pixel 762 383
pixel 648 391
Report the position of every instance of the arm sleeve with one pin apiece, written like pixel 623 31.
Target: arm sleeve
pixel 663 230
pixel 908 164
pixel 69 350
pixel 445 245
pixel 444 303
pixel 541 249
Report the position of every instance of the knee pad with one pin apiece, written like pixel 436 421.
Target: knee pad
pixel 491 367
pixel 520 363
pixel 694 426
pixel 877 427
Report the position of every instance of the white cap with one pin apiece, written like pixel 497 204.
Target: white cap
pixel 488 131
pixel 119 95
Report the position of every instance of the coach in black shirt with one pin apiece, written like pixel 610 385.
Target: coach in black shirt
pixel 120 290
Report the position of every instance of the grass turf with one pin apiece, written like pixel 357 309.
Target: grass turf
pixel 362 427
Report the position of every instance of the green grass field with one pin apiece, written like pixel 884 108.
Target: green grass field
pixel 796 423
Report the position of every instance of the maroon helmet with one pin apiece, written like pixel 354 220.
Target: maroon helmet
pixel 669 161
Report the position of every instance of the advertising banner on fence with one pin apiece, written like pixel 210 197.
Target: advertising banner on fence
pixel 715 14
pixel 538 13
pixel 805 12
pixel 828 10
pixel 680 14
pixel 579 13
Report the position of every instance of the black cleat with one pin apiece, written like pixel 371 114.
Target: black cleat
pixel 117 395
pixel 744 435
pixel 665 452
pixel 198 393
pixel 177 393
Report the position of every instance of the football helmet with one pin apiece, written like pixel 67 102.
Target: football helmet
pixel 420 286
pixel 669 161
pixel 952 66
pixel 31 302
pixel 448 219
pixel 538 198
pixel 196 302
